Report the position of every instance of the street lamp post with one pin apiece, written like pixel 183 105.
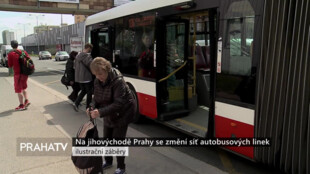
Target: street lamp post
pixel 15 34
pixel 37 34
pixel 24 42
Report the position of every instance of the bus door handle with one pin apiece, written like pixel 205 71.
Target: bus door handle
pixel 116 53
pixel 173 72
pixel 113 60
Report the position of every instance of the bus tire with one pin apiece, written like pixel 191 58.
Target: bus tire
pixel 137 118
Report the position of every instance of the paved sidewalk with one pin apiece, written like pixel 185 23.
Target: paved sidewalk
pixel 29 123
pixel 50 115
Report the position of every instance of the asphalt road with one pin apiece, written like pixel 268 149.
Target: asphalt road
pixel 49 72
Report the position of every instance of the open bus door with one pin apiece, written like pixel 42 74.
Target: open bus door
pixel 197 111
pixel 173 82
pixel 103 43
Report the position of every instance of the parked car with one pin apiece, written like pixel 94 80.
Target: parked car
pixel 5 49
pixel 61 55
pixel 44 55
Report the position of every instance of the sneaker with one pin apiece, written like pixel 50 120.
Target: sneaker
pixel 76 108
pixel 119 171
pixel 106 165
pixel 21 107
pixel 27 103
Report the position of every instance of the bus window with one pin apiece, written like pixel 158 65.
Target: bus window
pixel 234 27
pixel 135 42
pixel 236 80
pixel 240 45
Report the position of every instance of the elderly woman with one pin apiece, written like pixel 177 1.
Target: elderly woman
pixel 114 101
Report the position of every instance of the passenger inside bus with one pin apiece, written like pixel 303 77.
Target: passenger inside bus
pixel 146 59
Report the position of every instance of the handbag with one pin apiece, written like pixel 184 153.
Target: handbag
pixel 88 164
pixel 65 81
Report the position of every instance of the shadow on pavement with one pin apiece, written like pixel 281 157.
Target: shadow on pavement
pixel 35 74
pixel 7 113
pixel 49 122
pixel 62 114
pixel 46 73
pixel 4 74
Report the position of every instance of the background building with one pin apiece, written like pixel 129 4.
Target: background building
pixel 7 37
pixel 54 39
pixel 42 28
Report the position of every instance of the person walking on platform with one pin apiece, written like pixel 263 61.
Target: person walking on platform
pixel 83 75
pixel 114 101
pixel 71 76
pixel 20 80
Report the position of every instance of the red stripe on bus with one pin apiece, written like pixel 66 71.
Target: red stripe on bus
pixel 227 128
pixel 147 105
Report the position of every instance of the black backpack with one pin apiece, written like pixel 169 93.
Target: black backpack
pixel 88 164
pixel 25 62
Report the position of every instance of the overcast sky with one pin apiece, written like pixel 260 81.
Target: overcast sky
pixel 15 22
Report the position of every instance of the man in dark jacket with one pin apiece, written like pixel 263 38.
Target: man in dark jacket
pixel 71 76
pixel 83 75
pixel 114 101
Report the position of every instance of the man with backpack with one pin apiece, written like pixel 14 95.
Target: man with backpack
pixel 20 79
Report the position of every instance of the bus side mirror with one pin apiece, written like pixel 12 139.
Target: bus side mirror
pixel 3 55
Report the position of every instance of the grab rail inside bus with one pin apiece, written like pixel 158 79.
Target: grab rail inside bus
pixel 173 72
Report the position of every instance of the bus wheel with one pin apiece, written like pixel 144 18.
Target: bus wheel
pixel 137 118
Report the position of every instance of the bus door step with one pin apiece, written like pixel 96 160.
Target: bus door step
pixel 187 127
pixel 173 115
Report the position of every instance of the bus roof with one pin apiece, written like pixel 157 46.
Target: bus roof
pixel 130 8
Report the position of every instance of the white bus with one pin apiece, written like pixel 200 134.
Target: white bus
pixel 217 68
